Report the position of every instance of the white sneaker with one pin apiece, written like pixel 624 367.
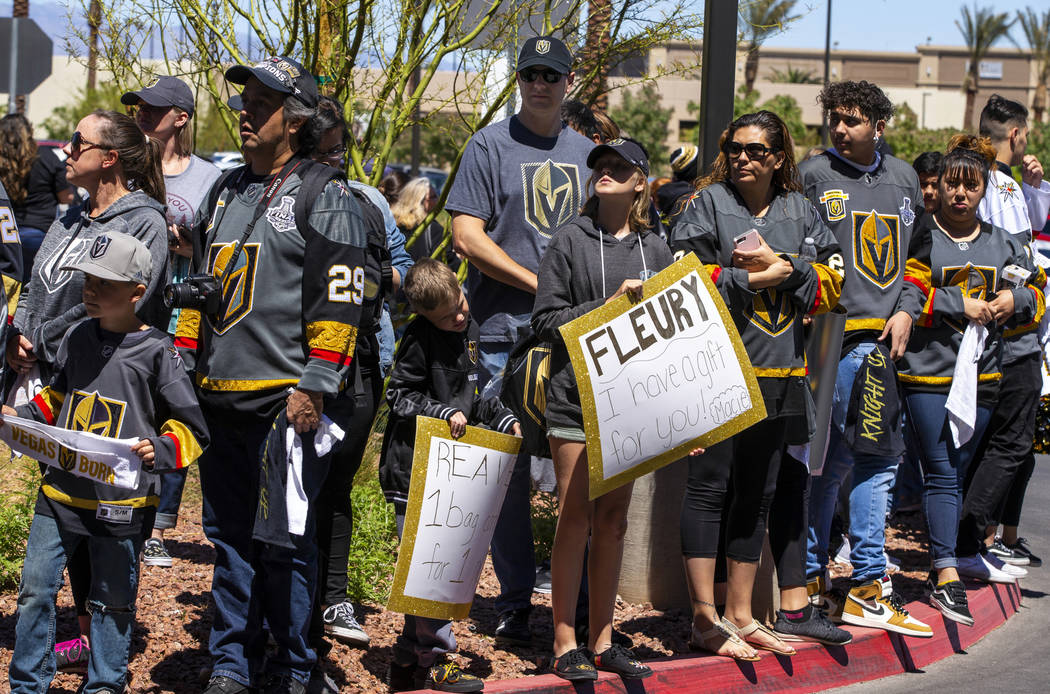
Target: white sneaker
pixel 1015 571
pixel 978 567
pixel 887 585
pixel 892 565
pixel 842 556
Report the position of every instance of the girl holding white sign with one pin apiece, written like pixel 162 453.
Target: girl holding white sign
pixel 606 252
pixel 773 261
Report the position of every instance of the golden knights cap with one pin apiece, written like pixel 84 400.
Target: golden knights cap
pixel 118 257
pixel 545 51
pixel 280 74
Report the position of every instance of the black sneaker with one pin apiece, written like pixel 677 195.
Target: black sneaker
pixel 1021 547
pixel 583 631
pixel 543 581
pixel 816 628
pixel 513 628
pixel 448 677
pixel 1008 555
pixel 72 656
pixel 155 554
pixel 339 622
pixel 220 684
pixel 621 661
pixel 950 600
pixel 283 684
pixel 574 665
pixel 401 678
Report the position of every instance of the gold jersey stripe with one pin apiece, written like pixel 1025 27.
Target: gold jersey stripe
pixel 243 384
pixel 865 324
pixel 189 323
pixel 92 504
pixel 13 287
pixel 780 372
pixel 189 448
pixel 331 336
pixel 945 380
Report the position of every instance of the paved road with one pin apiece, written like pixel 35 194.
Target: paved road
pixel 1015 658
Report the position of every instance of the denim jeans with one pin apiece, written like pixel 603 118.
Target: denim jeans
pixel 253 581
pixel 386 340
pixel 513 556
pixel 171 486
pixel 873 477
pixel 111 602
pixel 944 469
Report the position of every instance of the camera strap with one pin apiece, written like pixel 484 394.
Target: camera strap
pixel 260 209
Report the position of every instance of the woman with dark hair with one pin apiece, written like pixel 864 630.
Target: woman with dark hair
pixel 773 261
pixel 119 166
pixel 392 183
pixel 35 180
pixel 608 251
pixel 965 280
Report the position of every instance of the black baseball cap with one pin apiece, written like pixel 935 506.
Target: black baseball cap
pixel 163 91
pixel 629 150
pixel 280 74
pixel 545 51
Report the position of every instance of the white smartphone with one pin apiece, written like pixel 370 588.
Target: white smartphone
pixel 749 241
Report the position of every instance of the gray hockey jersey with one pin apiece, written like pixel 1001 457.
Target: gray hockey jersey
pixel 872 216
pixel 120 385
pixel 940 272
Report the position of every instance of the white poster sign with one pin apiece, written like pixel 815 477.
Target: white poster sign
pixel 99 458
pixel 454 500
pixel 660 377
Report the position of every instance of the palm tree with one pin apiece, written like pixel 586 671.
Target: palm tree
pixel 759 19
pixel 981 29
pixel 1037 31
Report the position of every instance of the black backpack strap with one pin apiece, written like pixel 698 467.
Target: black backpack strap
pixel 199 240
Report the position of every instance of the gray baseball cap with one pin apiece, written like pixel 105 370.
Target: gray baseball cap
pixel 281 74
pixel 163 91
pixel 118 257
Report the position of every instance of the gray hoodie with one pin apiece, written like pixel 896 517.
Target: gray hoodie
pixel 52 300
pixel 579 270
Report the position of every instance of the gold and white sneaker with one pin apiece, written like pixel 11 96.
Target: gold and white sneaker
pixel 867 606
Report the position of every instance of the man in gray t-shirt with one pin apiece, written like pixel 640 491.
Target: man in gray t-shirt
pixel 519 180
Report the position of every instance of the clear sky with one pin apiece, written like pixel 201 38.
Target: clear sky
pixel 889 25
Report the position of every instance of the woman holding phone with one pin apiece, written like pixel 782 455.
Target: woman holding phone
pixel 774 262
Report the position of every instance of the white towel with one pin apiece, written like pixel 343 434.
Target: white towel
pixel 327 435
pixel 962 397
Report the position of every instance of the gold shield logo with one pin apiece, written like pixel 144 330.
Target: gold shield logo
pixel 472 351
pixel 67 458
pixel 975 281
pixel 239 288
pixel 772 311
pixel 552 195
pixel 537 374
pixel 834 202
pixel 543 46
pixel 876 246
pixel 95 414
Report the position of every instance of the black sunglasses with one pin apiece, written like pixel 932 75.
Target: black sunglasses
pixel 755 150
pixel 530 75
pixel 78 145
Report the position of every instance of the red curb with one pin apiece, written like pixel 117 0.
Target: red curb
pixel 872 655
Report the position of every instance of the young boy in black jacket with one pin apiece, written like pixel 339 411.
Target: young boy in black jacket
pixel 435 374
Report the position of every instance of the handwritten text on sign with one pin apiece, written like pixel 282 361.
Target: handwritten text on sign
pixel 104 460
pixel 455 497
pixel 660 376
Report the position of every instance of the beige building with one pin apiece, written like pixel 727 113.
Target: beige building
pixel 929 80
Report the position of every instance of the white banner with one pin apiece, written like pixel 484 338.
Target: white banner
pixel 454 501
pixel 99 458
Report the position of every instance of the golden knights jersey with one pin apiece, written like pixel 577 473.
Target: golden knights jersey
pixel 10 255
pixel 769 320
pixel 291 303
pixel 940 273
pixel 872 216
pixel 121 385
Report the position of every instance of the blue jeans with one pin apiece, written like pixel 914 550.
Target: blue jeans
pixel 386 340
pixel 944 468
pixel 31 238
pixel 873 477
pixel 255 581
pixel 111 603
pixel 513 556
pixel 171 486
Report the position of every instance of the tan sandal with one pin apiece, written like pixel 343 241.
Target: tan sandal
pixel 698 642
pixel 755 626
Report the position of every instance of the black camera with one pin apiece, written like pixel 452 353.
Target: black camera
pixel 201 292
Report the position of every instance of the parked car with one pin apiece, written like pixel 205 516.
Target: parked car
pixel 437 176
pixel 227 160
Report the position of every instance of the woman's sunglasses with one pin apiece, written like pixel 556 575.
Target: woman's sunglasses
pixel 755 150
pixel 530 75
pixel 78 145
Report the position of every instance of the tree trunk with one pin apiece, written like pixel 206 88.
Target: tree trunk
pixel 1039 102
pixel 94 22
pixel 970 87
pixel 751 67
pixel 595 49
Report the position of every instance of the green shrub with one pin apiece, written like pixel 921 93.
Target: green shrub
pixel 544 523
pixel 16 515
pixel 373 547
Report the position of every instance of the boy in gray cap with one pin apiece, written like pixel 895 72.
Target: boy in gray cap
pixel 126 381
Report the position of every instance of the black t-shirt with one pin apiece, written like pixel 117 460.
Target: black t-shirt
pixel 46 179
